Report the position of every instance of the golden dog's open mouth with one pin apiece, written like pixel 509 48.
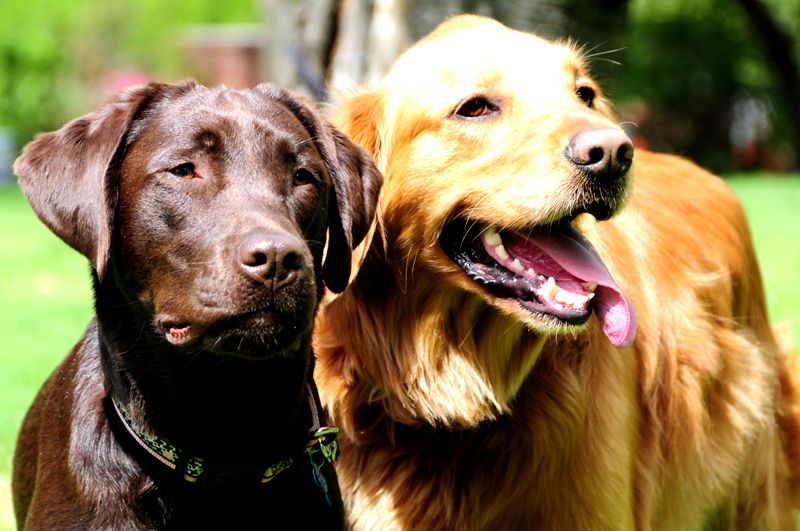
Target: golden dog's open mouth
pixel 550 271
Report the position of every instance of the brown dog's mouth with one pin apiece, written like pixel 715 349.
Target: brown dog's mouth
pixel 179 334
pixel 551 271
pixel 256 334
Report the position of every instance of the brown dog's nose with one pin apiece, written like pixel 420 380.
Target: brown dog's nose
pixel 271 258
pixel 602 153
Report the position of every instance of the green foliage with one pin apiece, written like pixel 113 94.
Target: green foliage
pixel 680 53
pixel 689 60
pixel 53 53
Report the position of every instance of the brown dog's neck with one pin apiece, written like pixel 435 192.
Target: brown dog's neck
pixel 211 405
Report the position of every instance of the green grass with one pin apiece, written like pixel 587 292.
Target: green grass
pixel 45 293
pixel 772 204
pixel 45 303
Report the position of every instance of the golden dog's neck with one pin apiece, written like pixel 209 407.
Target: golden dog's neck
pixel 418 353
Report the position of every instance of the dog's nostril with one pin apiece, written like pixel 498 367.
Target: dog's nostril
pixel 596 154
pixel 293 261
pixel 255 259
pixel 625 153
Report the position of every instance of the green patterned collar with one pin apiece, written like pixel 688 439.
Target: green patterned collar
pixel 322 443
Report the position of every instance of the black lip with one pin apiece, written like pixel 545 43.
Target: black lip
pixel 253 334
pixel 460 240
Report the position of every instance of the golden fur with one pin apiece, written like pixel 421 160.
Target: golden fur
pixel 460 410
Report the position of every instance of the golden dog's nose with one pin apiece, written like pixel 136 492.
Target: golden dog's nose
pixel 602 153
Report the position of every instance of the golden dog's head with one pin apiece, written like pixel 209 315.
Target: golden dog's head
pixel 493 142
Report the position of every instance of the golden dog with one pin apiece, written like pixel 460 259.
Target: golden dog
pixel 483 365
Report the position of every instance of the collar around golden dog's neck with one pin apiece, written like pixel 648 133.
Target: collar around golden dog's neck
pixel 320 449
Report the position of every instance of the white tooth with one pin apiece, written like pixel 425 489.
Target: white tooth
pixel 590 296
pixel 501 252
pixel 517 266
pixel 578 301
pixel 530 272
pixel 562 297
pixel 551 287
pixel 491 236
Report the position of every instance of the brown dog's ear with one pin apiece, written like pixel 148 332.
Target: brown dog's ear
pixel 67 175
pixel 356 184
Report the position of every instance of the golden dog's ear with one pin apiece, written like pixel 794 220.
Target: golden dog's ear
pixel 69 175
pixel 360 117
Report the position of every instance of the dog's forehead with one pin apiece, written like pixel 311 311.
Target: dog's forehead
pixel 225 114
pixel 485 54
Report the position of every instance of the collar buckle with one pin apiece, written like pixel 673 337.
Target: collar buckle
pixel 324 441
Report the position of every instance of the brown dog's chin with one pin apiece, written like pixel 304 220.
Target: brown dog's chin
pixel 551 273
pixel 255 335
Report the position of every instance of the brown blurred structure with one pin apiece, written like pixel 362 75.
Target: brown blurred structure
pixel 225 54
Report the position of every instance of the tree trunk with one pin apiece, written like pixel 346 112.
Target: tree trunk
pixel 388 38
pixel 372 33
pixel 779 50
pixel 298 40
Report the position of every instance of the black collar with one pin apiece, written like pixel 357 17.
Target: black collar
pixel 320 449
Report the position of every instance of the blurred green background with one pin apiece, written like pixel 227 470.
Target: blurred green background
pixel 715 80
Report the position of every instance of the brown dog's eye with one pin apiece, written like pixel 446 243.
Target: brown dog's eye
pixel 303 176
pixel 477 108
pixel 183 170
pixel 586 94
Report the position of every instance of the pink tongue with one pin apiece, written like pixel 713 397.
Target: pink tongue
pixel 577 256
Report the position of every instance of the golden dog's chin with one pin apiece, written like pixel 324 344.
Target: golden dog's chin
pixel 534 320
pixel 550 278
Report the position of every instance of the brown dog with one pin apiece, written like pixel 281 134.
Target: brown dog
pixel 188 403
pixel 483 365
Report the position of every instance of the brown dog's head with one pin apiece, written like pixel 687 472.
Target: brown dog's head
pixel 493 142
pixel 209 208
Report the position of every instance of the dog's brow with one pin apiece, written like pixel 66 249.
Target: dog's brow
pixel 208 140
pixel 310 139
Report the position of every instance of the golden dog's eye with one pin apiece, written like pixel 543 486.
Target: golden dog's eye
pixel 183 170
pixel 477 107
pixel 303 176
pixel 587 95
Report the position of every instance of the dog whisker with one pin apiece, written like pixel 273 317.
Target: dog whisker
pixel 581 50
pixel 606 52
pixel 607 60
pixel 310 139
